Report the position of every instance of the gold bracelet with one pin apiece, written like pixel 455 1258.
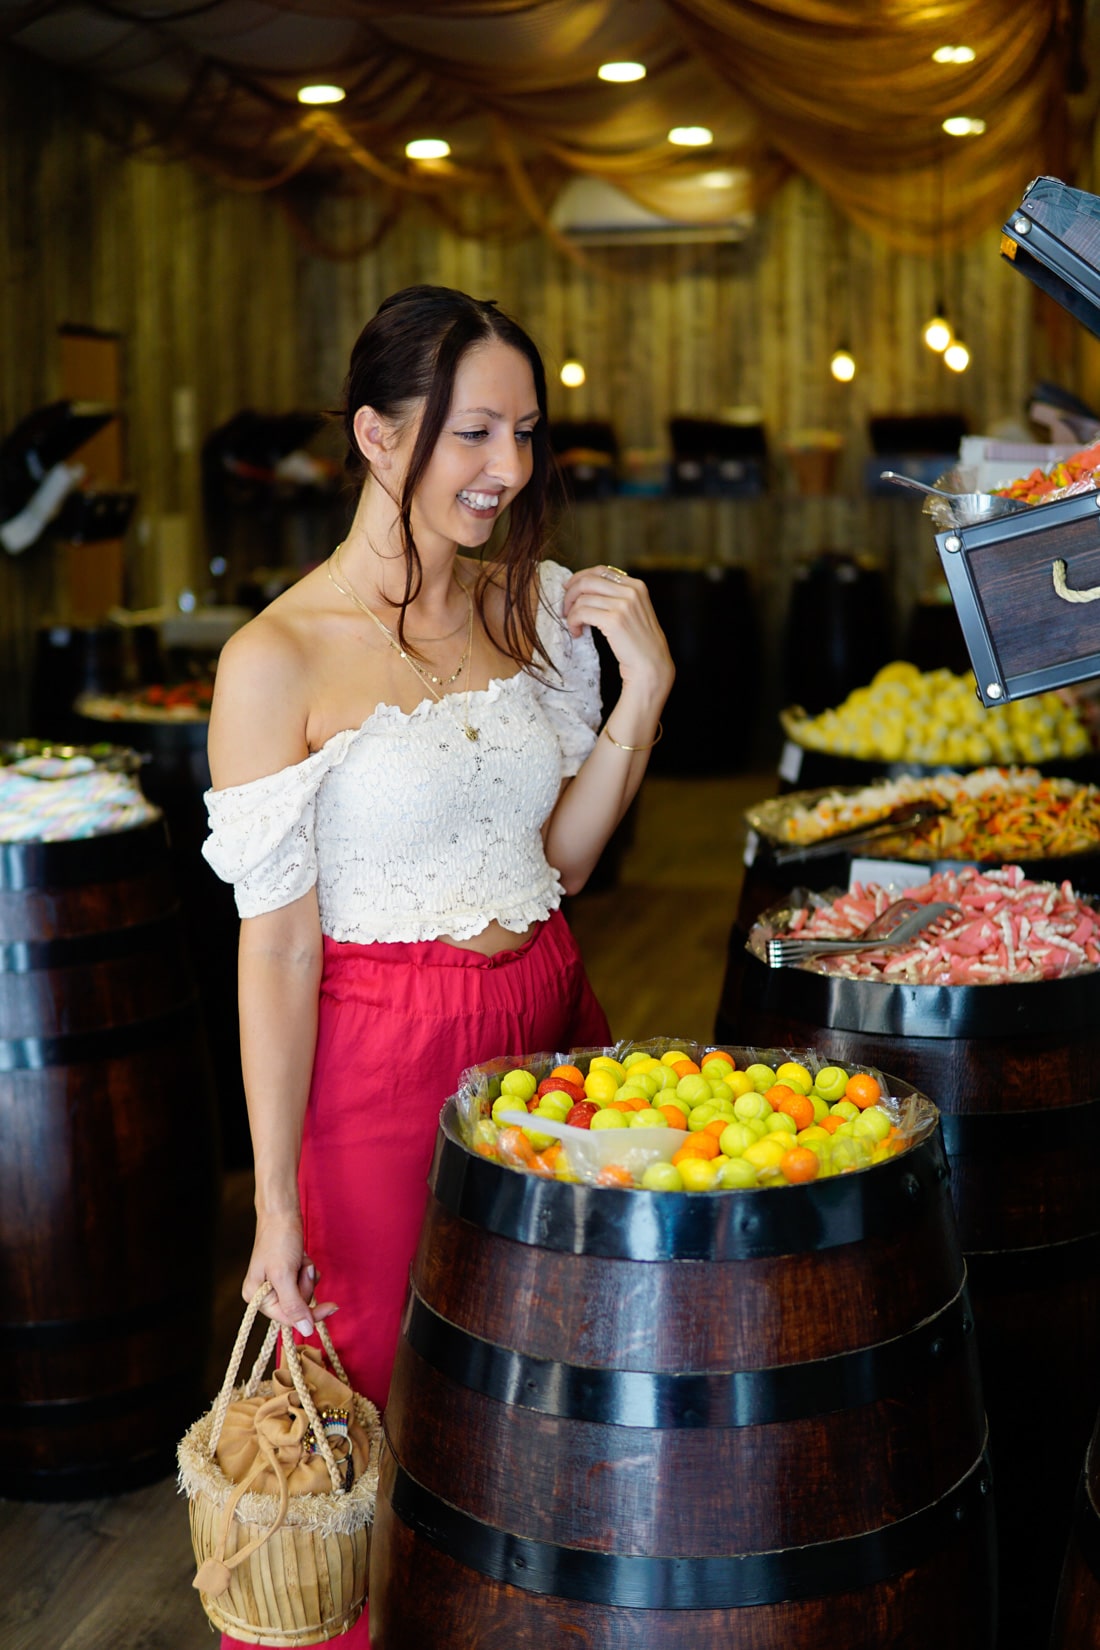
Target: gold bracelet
pixel 649 747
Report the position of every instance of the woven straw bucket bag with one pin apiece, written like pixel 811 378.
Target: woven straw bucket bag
pixel 282 1568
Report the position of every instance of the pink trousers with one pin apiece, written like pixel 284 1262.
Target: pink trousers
pixel 397 1026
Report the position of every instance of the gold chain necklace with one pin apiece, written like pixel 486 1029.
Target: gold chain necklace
pixel 432 683
pixel 440 681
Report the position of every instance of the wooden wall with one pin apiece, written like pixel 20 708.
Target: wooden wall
pixel 202 287
pixel 220 307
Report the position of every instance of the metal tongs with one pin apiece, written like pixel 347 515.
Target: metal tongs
pixel 896 823
pixel 902 921
pixel 962 509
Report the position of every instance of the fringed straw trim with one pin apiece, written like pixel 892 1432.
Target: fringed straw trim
pixel 335 1513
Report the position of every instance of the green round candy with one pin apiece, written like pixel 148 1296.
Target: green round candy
pixel 737 1175
pixel 662 1177
pixel 830 1082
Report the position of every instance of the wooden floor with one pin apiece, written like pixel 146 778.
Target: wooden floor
pixel 115 1574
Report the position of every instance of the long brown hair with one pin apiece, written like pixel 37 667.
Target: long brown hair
pixel 410 352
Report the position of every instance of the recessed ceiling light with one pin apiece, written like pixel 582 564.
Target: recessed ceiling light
pixel 427 149
pixel 691 137
pixel 322 94
pixel 620 73
pixel 963 126
pixel 953 54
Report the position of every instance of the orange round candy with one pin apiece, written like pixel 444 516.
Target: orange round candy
pixel 613 1174
pixel 777 1094
pixel 799 1108
pixel 686 1068
pixel 862 1090
pixel 572 1074
pixel 700 1145
pixel 514 1143
pixel 799 1166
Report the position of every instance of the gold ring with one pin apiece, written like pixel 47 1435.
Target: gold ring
pixel 615 574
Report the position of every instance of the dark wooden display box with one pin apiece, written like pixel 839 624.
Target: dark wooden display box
pixel 1022 635
pixel 1013 579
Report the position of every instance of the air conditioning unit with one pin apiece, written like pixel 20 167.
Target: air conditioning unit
pixel 595 212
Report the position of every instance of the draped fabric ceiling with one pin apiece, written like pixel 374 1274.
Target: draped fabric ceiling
pixel 845 92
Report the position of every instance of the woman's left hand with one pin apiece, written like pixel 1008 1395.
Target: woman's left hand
pixel 619 607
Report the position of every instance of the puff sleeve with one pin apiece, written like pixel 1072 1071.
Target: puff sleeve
pixel 262 833
pixel 570 701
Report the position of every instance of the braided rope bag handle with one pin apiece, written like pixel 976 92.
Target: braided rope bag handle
pixel 214 1574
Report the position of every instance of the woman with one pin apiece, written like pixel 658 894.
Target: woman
pixel 408 773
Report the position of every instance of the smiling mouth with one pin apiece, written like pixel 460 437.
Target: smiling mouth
pixel 481 502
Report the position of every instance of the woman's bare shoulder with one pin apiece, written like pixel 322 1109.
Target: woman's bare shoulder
pixel 259 715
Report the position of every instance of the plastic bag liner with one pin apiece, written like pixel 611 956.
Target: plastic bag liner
pixel 608 1157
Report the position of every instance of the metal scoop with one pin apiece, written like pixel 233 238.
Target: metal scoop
pixel 962 509
pixel 902 921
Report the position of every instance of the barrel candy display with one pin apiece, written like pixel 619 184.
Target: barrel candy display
pixel 108 1142
pixel 627 1417
pixel 995 1013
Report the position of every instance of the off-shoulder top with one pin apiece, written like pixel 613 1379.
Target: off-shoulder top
pixel 408 828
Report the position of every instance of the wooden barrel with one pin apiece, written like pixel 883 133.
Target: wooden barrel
pixel 108 1168
pixel 634 1420
pixel 1015 1071
pixel 1077 1611
pixel 175 777
pixel 838 631
pixel 700 609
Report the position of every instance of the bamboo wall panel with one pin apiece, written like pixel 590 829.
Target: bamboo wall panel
pixel 220 307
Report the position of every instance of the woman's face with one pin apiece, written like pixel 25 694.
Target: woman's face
pixel 483 457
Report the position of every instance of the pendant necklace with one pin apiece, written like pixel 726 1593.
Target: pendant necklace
pixel 432 683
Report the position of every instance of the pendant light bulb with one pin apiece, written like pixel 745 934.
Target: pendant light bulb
pixel 937 332
pixel 957 356
pixel 843 365
pixel 572 373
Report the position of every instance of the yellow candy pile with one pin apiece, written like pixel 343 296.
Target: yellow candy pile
pixel 905 714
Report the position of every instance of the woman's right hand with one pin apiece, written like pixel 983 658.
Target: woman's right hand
pixel 279 1258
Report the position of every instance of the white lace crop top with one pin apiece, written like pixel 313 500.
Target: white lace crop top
pixel 408 828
